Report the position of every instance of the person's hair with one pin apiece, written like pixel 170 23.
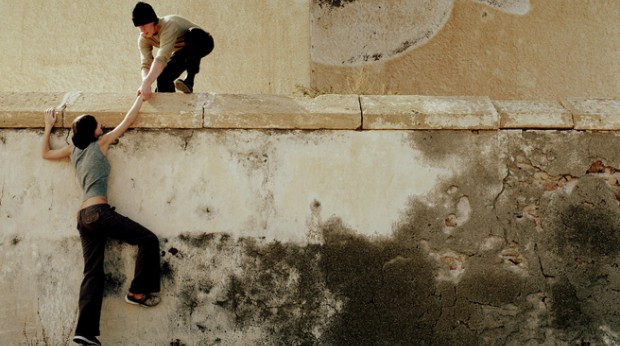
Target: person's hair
pixel 84 128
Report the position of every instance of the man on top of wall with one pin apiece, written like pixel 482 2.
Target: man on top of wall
pixel 181 44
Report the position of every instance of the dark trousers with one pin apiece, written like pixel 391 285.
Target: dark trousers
pixel 96 224
pixel 198 44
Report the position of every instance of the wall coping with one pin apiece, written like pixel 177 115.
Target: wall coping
pixel 331 111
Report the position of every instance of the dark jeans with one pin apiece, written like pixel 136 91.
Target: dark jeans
pixel 198 44
pixel 96 224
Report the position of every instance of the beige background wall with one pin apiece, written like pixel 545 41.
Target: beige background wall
pixel 54 45
pixel 515 49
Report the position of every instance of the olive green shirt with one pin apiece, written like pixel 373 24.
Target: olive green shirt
pixel 170 38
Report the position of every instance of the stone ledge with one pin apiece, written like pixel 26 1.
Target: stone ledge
pixel 162 111
pixel 594 114
pixel 332 112
pixel 533 115
pixel 428 112
pixel 25 110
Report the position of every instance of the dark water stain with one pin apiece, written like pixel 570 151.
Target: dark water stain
pixel 589 231
pixel 194 294
pixel 359 290
pixel 177 342
pixel 584 234
pixel 236 296
pixel 281 289
pixel 114 268
pixel 333 3
pixel 487 285
pixel 384 288
pixel 436 146
pixel 388 289
pixel 201 240
pixel 566 307
pixel 167 272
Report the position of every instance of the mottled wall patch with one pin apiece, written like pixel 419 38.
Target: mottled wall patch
pixel 347 32
pixel 114 268
pixel 365 31
pixel 334 3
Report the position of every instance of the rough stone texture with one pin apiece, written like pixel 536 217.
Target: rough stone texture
pixel 328 237
pixel 427 112
pixel 594 114
pixel 533 115
pixel 284 112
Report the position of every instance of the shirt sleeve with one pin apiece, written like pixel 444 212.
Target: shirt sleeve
pixel 167 40
pixel 146 53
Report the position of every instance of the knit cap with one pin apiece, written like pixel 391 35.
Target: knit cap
pixel 142 14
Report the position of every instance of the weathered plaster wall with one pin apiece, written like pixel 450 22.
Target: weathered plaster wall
pixel 307 235
pixel 505 49
pixel 55 45
pixel 342 219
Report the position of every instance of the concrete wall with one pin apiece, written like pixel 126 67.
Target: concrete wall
pixel 55 45
pixel 420 220
pixel 505 49
pixel 340 219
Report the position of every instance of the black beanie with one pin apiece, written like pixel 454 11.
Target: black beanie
pixel 142 14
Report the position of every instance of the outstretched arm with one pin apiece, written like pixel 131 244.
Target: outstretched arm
pixel 46 151
pixel 109 138
pixel 149 76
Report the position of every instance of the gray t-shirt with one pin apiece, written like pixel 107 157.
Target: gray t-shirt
pixel 92 169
